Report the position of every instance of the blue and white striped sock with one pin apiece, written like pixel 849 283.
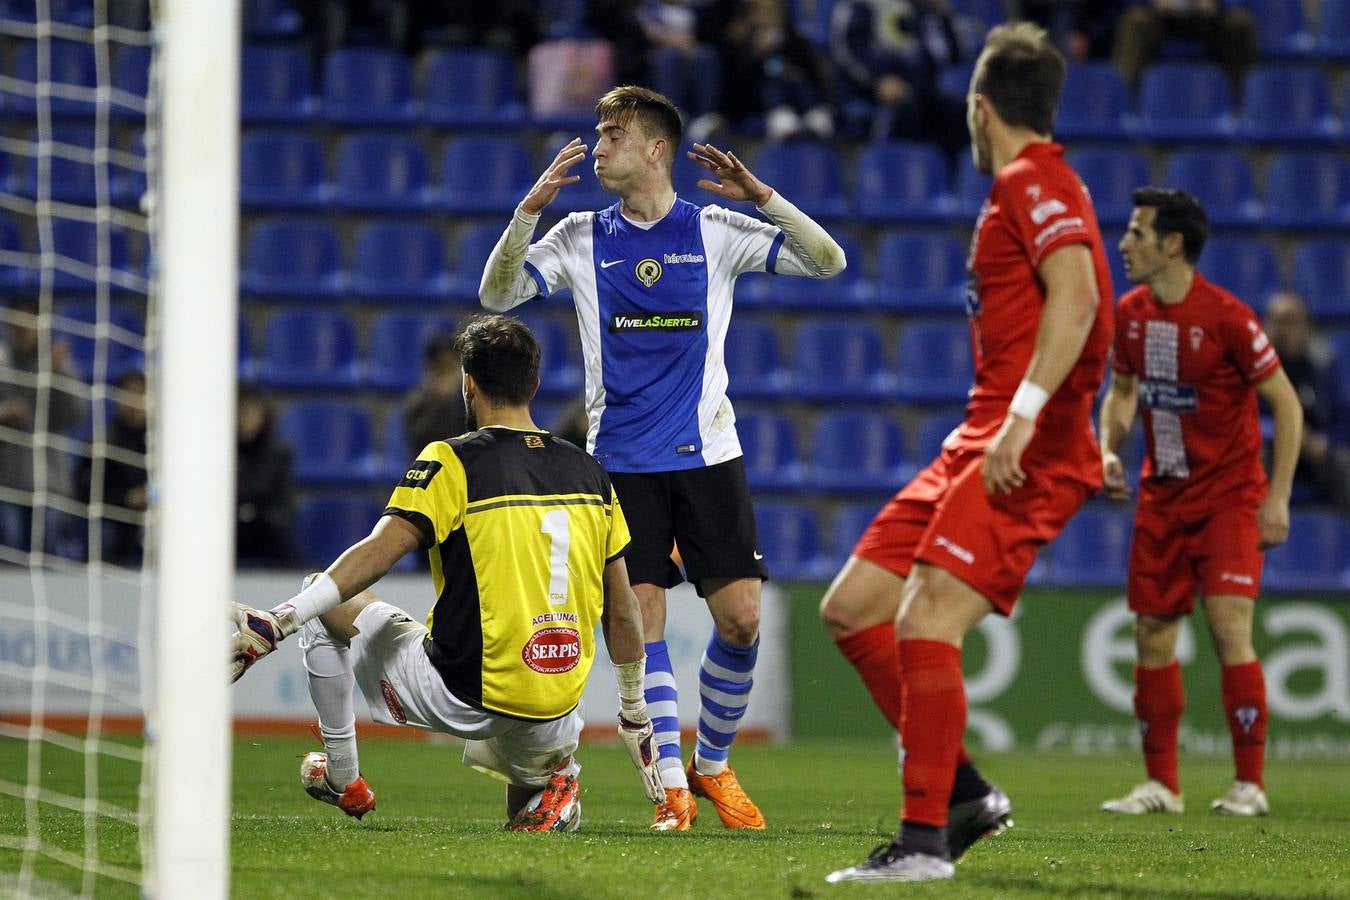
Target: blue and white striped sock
pixel 724 681
pixel 662 697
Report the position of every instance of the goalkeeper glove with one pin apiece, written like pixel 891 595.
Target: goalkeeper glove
pixel 635 729
pixel 258 635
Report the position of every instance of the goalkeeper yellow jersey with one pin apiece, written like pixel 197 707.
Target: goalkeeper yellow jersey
pixel 519 526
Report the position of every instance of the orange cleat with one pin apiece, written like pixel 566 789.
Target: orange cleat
pixel 733 806
pixel 677 812
pixel 558 809
pixel 356 800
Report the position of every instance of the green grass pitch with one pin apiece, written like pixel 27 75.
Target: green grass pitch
pixel 437 831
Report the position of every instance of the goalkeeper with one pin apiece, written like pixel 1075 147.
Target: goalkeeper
pixel 526 539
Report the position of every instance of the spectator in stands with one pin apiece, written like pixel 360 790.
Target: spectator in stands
pixel 265 499
pixel 20 361
pixel 1226 31
pixel 511 26
pixel 1323 463
pixel 888 54
pixel 434 410
pixel 122 478
pixel 332 23
pixel 681 64
pixel 1080 30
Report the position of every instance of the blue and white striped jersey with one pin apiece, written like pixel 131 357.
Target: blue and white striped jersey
pixel 653 304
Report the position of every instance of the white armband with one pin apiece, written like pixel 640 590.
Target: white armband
pixel 1029 400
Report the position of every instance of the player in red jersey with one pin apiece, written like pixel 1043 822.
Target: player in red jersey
pixel 957 542
pixel 1194 357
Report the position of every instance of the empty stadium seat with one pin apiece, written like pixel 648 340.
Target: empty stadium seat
pixel 397 261
pixel 849 290
pixel 754 364
pixel 326 525
pixel 559 371
pixel 71 64
pixel 247 362
pixel 840 361
pixel 485 175
pixel 1322 275
pixel 69 179
pixel 972 187
pixel 310 349
pixel 271 19
pixel 78 245
pixel 790 541
pixel 282 170
pixel 470 87
pixel 277 85
pixel 1221 180
pixel 1282 28
pixel 471 255
pixel 903 181
pixel 293 258
pixel 1315 556
pixel 858 452
pixel 1333 29
pixel 935 362
pixel 1185 101
pixel 1095 104
pixel 847 527
pixel 382 173
pixel 333 442
pixel 1111 177
pixel 131 75
pixel 397 343
pixel 920 273
pixel 394 450
pixel 1244 266
pixel 368 86
pixel 815 172
pixel 1093 550
pixel 12 275
pixel 769 444
pixel 1288 104
pixel 1309 190
pixel 120 333
pixel 933 430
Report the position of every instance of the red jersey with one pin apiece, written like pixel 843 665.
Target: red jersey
pixel 1196 362
pixel 1037 204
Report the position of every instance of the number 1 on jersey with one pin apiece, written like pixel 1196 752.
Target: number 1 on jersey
pixel 558 527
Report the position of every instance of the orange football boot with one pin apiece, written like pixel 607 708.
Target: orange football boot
pixel 727 796
pixel 677 812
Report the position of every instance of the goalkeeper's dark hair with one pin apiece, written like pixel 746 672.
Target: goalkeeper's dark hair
pixel 1022 74
pixel 655 114
pixel 502 355
pixel 1176 212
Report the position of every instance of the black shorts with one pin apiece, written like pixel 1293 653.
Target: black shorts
pixel 706 512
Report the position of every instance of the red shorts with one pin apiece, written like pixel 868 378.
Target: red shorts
pixel 1170 558
pixel 946 518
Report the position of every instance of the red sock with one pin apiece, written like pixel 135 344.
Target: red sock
pixel 933 722
pixel 873 653
pixel 1244 701
pixel 1158 702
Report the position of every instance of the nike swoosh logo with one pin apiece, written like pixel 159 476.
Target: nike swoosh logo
pixel 758 555
pixel 606 263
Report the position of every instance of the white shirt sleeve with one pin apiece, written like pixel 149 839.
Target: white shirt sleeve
pixel 517 270
pixel 744 244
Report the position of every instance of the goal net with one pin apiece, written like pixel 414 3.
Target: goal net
pixel 106 638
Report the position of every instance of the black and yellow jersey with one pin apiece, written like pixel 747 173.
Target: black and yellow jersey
pixel 519 526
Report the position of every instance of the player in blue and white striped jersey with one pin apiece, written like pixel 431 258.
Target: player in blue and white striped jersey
pixel 651 279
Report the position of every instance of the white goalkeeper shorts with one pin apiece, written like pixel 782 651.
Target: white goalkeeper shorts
pixel 403 688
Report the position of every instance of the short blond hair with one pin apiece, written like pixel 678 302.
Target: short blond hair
pixel 654 112
pixel 1022 74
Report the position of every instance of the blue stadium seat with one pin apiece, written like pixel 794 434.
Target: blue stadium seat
pixel 270 19
pixel 131 74
pixel 327 525
pixel 1333 29
pixel 12 275
pixel 903 181
pixel 754 364
pixel 382 173
pixel 400 261
pixel 858 452
pixel 69 12
pixel 935 362
pixel 394 449
pixel 71 64
pixel 972 187
pixel 1322 275
pixel 1093 550
pixel 485 175
pixel 815 172
pixel 282 170
pixel 293 258
pixel 1245 266
pixel 69 180
pixel 1095 104
pixel 1111 177
pixel 920 272
pixel 368 86
pixel 397 341
pixel 1288 104
pixel 1309 190
pixel 277 85
pixel 1221 180
pixel 1282 28
pixel 121 334
pixel 248 363
pixel 78 243
pixel 840 361
pixel 1340 349
pixel 1315 556
pixel 987 12
pixel 849 290
pixel 471 255
pixel 1185 101
pixel 467 87
pixel 790 540
pixel 310 349
pixel 933 430
pixel 769 443
pixel 847 527
pixel 559 370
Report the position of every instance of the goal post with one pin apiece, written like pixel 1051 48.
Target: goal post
pixel 196 199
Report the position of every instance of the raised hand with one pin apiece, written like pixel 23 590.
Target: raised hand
pixel 737 182
pixel 555 177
